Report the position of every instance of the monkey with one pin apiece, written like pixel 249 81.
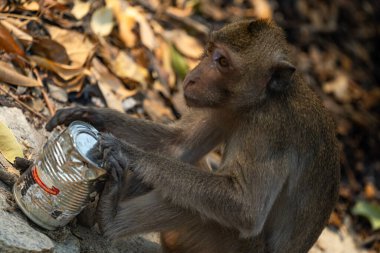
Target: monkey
pixel 279 176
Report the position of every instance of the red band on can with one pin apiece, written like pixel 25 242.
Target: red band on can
pixel 52 190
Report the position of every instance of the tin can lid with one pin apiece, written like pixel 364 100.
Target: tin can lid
pixel 84 138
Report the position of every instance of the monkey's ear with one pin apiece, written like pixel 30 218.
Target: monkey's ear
pixel 281 76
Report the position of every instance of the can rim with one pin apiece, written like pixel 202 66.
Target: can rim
pixel 74 132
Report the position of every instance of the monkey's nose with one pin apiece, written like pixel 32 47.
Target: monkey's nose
pixel 190 82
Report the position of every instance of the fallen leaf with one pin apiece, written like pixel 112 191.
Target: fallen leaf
pixel 164 63
pixel 58 93
pixel 187 45
pixel 123 65
pixel 66 72
pixel 31 6
pixel 262 9
pixel 9 146
pixel 342 88
pixel 368 210
pixel 77 45
pixel 73 85
pixel 7 42
pixel 102 21
pixel 179 63
pixel 11 76
pixel 111 87
pixel 370 190
pixel 126 23
pixel 50 49
pixel 156 108
pixel 128 17
pixel 80 9
pixel 17 32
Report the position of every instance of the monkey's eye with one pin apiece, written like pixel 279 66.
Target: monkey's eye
pixel 221 60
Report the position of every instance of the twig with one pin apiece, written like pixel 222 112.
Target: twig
pixel 49 104
pixel 23 104
pixel 11 15
pixel 8 178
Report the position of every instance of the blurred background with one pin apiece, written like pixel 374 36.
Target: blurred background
pixel 132 56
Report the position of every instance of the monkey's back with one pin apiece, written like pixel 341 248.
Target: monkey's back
pixel 303 208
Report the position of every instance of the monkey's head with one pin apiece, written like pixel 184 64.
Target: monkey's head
pixel 244 63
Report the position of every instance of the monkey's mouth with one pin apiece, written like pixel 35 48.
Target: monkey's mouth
pixel 190 101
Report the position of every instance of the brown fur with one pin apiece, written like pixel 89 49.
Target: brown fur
pixel 278 180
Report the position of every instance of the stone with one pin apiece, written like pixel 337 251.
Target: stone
pixel 17 236
pixel 25 134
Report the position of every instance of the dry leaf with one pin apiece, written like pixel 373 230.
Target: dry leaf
pixel 262 9
pixel 50 49
pixel 31 6
pixel 66 72
pixel 126 23
pixel 122 64
pixel 17 32
pixel 80 9
pixel 125 67
pixel 179 63
pixel 9 146
pixel 163 55
pixel 73 85
pixel 111 87
pixel 11 76
pixel 7 42
pixel 187 45
pixel 77 45
pixel 102 21
pixel 343 88
pixel 58 93
pixel 156 108
pixel 127 17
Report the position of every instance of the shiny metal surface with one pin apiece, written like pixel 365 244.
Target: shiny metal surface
pixel 62 180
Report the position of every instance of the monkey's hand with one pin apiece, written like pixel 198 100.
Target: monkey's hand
pixel 117 151
pixel 107 205
pixel 68 115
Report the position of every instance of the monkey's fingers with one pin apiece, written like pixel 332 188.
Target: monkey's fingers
pixel 22 164
pixel 114 168
pixel 66 116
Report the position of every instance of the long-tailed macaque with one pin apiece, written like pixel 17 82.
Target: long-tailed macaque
pixel 279 175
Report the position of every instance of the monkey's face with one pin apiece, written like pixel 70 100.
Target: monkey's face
pixel 244 62
pixel 207 85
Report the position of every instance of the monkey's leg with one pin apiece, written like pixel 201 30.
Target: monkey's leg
pixel 204 192
pixel 146 213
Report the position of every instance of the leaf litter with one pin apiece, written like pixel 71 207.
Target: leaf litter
pixel 132 55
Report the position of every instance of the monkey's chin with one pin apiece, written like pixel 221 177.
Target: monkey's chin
pixel 191 103
pixel 195 103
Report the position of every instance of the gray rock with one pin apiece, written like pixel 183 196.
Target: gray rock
pixel 70 245
pixel 4 194
pixel 17 236
pixel 23 131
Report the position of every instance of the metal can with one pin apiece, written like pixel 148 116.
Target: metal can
pixel 63 179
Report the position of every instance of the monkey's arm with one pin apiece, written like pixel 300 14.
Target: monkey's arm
pixel 141 133
pixel 233 201
pixel 188 139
